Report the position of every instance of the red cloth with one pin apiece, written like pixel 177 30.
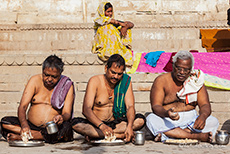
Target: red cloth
pixel 168 67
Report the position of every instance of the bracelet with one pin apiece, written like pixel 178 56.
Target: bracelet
pixel 100 124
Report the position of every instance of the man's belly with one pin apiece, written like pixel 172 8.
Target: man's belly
pixel 41 114
pixel 104 113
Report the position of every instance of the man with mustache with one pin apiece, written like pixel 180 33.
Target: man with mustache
pixel 50 97
pixel 109 105
pixel 174 97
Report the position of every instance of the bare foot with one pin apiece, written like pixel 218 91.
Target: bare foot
pixel 210 139
pixel 205 137
pixel 158 138
pixel 87 139
pixel 187 130
pixel 13 137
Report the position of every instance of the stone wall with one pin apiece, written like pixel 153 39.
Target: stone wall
pixel 32 26
pixel 16 71
pixel 83 11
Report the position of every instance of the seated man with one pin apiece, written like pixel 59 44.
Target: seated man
pixel 109 104
pixel 174 97
pixel 51 98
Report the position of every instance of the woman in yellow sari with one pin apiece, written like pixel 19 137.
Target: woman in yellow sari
pixel 112 36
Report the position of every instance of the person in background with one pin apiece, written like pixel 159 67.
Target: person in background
pixel 112 36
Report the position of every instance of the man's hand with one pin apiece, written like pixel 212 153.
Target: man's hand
pixel 107 131
pixel 200 122
pixel 25 129
pixel 26 134
pixel 173 115
pixel 58 119
pixel 128 134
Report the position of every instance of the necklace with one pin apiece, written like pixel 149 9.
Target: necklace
pixel 110 93
pixel 109 90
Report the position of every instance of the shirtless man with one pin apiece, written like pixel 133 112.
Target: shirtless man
pixel 39 93
pixel 174 117
pixel 99 101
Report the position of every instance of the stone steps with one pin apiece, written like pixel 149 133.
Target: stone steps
pixel 77 38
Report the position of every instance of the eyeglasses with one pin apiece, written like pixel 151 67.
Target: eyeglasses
pixel 185 70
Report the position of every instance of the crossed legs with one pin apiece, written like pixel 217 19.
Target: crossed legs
pixel 11 129
pixel 184 133
pixel 156 124
pixel 90 131
pixel 15 133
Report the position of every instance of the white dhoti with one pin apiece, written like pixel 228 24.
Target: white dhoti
pixel 158 125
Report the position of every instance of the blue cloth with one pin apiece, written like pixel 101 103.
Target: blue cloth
pixel 152 58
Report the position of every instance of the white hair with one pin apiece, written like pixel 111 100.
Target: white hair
pixel 183 55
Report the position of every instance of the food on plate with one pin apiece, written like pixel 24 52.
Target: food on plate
pixel 110 138
pixel 182 141
pixel 26 136
pixel 107 142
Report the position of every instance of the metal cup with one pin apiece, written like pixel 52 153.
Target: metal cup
pixel 51 127
pixel 139 138
pixel 222 137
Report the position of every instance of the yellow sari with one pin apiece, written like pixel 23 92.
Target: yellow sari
pixel 107 39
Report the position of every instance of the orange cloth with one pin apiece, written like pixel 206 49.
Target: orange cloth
pixel 215 39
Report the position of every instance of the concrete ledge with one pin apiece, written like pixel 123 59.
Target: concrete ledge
pixel 89 26
pixel 31 59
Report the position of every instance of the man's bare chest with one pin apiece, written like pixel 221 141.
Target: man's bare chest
pixel 172 100
pixel 42 96
pixel 170 96
pixel 104 97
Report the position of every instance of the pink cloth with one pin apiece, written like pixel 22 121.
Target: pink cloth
pixel 162 61
pixel 212 63
pixel 60 92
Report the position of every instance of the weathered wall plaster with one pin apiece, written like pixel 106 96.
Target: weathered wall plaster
pixel 83 11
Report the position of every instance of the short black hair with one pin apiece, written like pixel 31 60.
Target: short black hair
pixel 53 61
pixel 108 5
pixel 116 58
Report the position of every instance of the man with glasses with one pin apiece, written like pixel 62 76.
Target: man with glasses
pixel 50 97
pixel 174 97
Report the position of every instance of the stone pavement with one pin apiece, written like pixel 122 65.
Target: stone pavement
pixel 79 147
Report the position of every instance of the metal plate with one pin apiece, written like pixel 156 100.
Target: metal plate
pixel 107 143
pixel 28 144
pixel 181 142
